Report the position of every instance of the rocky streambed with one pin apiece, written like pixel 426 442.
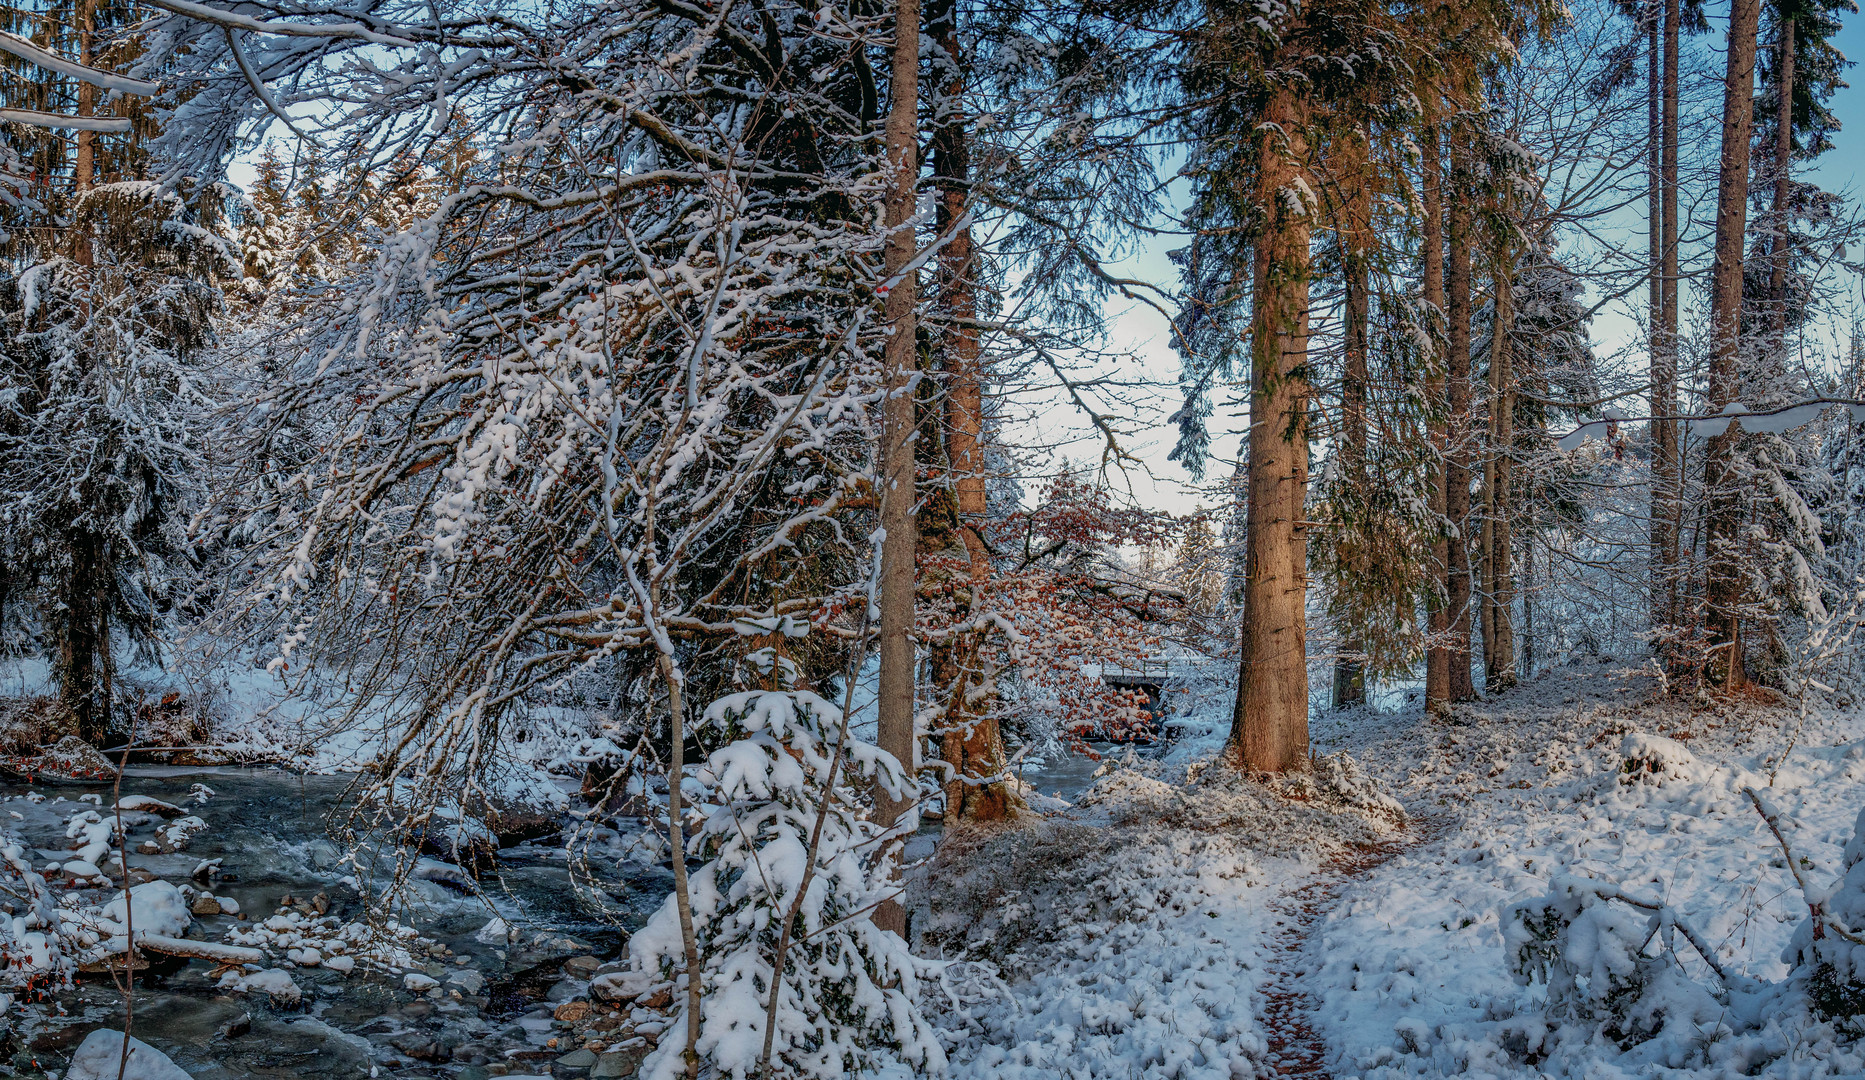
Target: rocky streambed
pixel 268 962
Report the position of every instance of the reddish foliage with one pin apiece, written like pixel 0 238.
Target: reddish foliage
pixel 1059 607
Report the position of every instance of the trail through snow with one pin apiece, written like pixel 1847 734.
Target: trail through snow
pixel 1179 925
pixel 1293 950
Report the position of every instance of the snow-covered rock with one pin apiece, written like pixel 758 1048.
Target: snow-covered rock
pixel 148 804
pixel 100 1057
pixel 622 985
pixel 444 873
pixel 495 932
pixel 156 907
pixel 275 984
pixel 79 869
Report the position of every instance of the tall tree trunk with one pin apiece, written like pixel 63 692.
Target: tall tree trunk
pixel 1667 465
pixel 972 743
pixel 1654 168
pixel 1269 729
pixel 1437 612
pixel 894 699
pixel 81 619
pixel 1528 606
pixel 1499 647
pixel 1723 589
pixel 1457 457
pixel 84 165
pixel 1783 183
pixel 1355 237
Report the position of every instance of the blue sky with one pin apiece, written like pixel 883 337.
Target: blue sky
pixel 1140 330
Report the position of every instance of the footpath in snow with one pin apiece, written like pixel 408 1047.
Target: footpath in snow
pixel 1146 932
pixel 1589 774
pixel 1180 923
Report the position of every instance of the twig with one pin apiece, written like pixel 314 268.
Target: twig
pixel 128 986
pixel 1816 909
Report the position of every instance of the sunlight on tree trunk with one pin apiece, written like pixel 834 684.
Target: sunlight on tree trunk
pixel 898 493
pixel 1438 615
pixel 1457 471
pixel 1723 589
pixel 1269 730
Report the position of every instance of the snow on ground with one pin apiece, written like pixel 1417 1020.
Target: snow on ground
pixel 1134 935
pixel 1412 977
pixel 1132 931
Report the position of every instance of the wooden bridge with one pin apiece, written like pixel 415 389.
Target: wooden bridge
pixel 1152 676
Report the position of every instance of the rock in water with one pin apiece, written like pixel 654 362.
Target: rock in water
pixel 149 805
pixel 101 1054
pixel 275 984
pixel 158 907
pixel 496 932
pixel 76 759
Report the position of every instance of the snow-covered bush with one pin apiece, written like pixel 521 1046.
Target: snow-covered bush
pixel 1824 952
pixel 33 948
pixel 849 990
pixel 1587 940
pixel 1654 759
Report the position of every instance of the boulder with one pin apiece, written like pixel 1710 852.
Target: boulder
pixel 100 1057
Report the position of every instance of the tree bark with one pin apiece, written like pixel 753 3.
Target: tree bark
pixel 1499 648
pixel 1666 469
pixel 1437 613
pixel 1783 182
pixel 1457 471
pixel 1355 237
pixel 1269 729
pixel 1654 168
pixel 972 742
pixel 1667 466
pixel 84 167
pixel 894 698
pixel 1723 587
pixel 84 164
pixel 82 620
pixel 1528 606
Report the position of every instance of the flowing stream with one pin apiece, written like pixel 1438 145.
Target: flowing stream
pixel 490 1013
pixel 491 1010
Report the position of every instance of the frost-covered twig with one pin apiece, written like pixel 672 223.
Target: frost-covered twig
pixel 1816 908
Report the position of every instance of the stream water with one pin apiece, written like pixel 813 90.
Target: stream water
pixel 489 1016
pixel 270 830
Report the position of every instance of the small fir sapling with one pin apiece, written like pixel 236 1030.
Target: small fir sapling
pixel 848 993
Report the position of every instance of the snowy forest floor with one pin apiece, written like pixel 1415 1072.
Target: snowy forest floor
pixel 1178 922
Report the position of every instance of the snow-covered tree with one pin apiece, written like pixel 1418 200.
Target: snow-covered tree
pixel 101 357
pixel 781 910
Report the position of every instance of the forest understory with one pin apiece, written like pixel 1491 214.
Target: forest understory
pixel 1167 927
